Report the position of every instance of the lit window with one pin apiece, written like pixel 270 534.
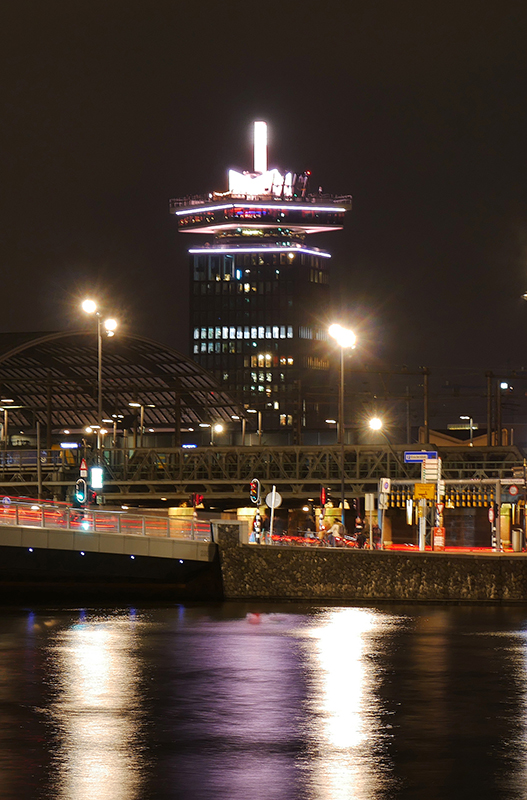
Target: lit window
pixel 261 377
pixel 211 333
pixel 204 347
pixel 275 332
pixel 196 333
pixel 239 333
pixel 253 377
pixel 261 360
pixel 225 333
pixel 261 332
pixel 254 333
pixel 210 347
pixel 246 287
pixel 276 404
pixel 269 377
pixel 283 361
pixel 217 333
pixel 246 332
pixel 232 333
pixel 289 362
pixel 196 348
pixel 289 331
pixel 203 333
pixel 268 332
pixel 282 331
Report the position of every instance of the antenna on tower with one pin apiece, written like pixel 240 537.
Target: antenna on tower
pixel 260 146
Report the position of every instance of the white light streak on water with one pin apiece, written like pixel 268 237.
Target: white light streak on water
pixel 96 712
pixel 344 705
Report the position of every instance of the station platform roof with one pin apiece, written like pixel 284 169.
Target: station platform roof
pixel 52 378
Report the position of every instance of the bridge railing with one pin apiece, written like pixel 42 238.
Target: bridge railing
pixel 43 515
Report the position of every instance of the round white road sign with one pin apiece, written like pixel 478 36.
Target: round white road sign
pixel 274 500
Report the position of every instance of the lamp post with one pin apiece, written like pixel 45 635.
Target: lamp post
pixel 344 338
pixel 254 411
pixel 141 406
pixel 471 427
pixel 216 428
pixel 376 424
pixel 109 325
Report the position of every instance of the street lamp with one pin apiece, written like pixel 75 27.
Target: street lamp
pixel 254 411
pixel 216 428
pixel 142 406
pixel 471 426
pixel 109 326
pixel 344 338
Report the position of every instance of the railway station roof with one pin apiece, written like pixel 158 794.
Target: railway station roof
pixel 53 378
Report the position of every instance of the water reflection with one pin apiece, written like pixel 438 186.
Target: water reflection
pixel 97 710
pixel 348 760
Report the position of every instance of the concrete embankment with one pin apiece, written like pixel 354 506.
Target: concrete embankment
pixel 327 574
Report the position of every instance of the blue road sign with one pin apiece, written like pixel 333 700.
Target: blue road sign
pixel 413 456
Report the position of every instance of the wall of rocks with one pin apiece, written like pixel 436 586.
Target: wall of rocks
pixel 327 574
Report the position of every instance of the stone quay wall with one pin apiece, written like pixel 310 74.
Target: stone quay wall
pixel 266 572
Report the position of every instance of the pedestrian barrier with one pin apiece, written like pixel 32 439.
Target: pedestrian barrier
pixel 61 517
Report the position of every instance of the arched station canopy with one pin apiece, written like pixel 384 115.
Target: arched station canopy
pixel 52 378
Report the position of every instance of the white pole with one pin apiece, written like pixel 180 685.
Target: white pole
pixel 422 524
pixel 273 496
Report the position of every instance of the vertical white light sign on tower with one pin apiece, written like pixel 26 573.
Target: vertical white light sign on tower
pixel 260 146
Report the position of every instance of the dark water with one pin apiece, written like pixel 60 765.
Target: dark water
pixel 290 703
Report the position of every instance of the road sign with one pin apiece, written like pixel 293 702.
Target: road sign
pixel 385 485
pixel 440 507
pixel 6 501
pixel 369 501
pixel 439 538
pixel 513 490
pixel 274 499
pixel 83 472
pixel 416 456
pixel 491 515
pixel 424 491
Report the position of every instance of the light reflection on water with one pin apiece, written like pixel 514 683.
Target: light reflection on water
pixel 344 708
pixel 97 711
pixel 292 703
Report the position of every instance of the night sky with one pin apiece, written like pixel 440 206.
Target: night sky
pixel 417 109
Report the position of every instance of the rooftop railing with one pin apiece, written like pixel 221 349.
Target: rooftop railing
pixel 200 199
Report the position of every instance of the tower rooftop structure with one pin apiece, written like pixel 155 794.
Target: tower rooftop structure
pixel 281 206
pixel 258 288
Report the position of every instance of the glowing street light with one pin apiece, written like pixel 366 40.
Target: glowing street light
pixel 109 325
pixel 344 338
pixel 216 428
pixel 375 423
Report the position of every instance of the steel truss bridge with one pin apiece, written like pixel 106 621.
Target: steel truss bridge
pixel 223 474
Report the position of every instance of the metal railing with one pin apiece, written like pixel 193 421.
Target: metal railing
pixel 59 517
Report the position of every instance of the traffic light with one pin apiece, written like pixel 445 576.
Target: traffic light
pixel 255 490
pixel 325 496
pixel 80 493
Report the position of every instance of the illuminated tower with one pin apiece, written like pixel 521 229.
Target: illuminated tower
pixel 259 292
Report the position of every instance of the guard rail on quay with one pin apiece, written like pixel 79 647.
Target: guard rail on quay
pixel 61 517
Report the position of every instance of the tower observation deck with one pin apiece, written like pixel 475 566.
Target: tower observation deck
pixel 259 289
